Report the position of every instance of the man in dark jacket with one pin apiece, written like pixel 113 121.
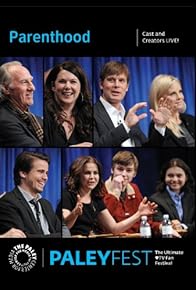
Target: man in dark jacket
pixel 113 126
pixel 18 126
pixel 24 208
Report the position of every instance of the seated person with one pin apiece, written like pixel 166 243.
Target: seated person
pixel 68 109
pixel 82 204
pixel 166 92
pixel 113 125
pixel 175 196
pixel 24 208
pixel 123 196
pixel 18 126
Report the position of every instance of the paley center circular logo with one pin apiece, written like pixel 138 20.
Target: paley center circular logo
pixel 22 257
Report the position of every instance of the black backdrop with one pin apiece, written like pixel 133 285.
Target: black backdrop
pixel 113 34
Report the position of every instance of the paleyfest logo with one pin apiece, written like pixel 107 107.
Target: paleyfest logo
pixel 22 257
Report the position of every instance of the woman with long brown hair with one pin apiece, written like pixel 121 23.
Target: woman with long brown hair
pixel 68 109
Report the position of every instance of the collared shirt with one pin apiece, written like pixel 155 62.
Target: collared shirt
pixel 161 130
pixel 117 118
pixel 28 197
pixel 177 199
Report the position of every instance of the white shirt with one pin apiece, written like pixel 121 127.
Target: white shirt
pixel 28 197
pixel 117 118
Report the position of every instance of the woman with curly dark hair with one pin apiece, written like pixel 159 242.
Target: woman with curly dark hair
pixel 68 109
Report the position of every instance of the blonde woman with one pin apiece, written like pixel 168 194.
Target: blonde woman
pixel 166 93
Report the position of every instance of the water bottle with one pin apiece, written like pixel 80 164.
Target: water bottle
pixel 166 227
pixel 145 230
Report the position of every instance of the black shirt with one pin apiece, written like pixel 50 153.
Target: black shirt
pixel 87 221
pixel 54 134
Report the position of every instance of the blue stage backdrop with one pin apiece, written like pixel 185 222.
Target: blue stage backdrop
pixel 35 66
pixel 142 72
pixel 52 190
pixel 85 62
pixel 150 162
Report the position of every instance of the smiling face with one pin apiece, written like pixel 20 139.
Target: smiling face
pixel 21 87
pixel 35 180
pixel 175 178
pixel 89 177
pixel 66 88
pixel 175 97
pixel 114 88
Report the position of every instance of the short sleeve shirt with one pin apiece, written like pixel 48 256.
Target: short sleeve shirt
pixel 87 221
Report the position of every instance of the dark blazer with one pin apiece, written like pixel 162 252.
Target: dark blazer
pixel 170 140
pixel 14 132
pixel 15 212
pixel 106 135
pixel 167 206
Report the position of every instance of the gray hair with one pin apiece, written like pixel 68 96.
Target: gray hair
pixel 5 78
